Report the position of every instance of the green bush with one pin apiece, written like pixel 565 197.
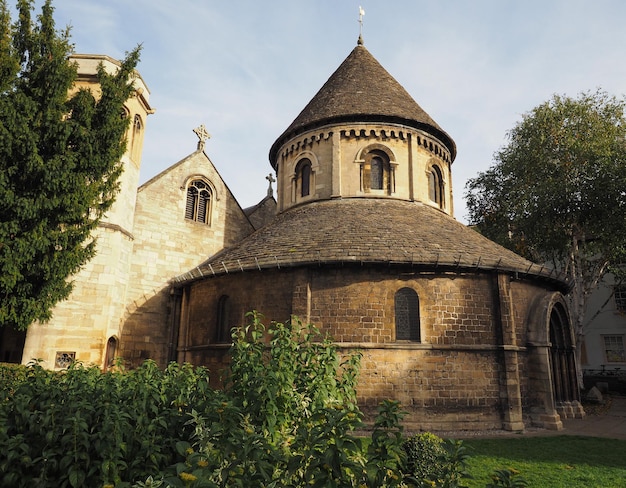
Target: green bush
pixel 432 461
pixel 506 478
pixel 289 419
pixel 82 427
pixel 11 375
pixel 425 456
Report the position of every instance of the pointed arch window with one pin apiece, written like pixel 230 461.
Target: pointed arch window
pixel 222 329
pixel 435 186
pixel 407 315
pixel 137 137
pixel 198 206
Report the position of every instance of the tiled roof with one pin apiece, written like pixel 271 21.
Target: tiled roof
pixel 366 231
pixel 362 90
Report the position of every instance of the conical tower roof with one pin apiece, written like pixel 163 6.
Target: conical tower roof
pixel 361 90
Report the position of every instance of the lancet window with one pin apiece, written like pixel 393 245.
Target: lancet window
pixel 137 138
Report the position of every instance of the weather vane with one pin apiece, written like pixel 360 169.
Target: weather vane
pixel 361 14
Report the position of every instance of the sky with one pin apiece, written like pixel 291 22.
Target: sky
pixel 246 68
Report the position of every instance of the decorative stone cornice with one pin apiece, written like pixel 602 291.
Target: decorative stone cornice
pixel 368 131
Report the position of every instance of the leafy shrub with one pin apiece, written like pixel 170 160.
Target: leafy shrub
pixel 82 427
pixel 506 478
pixel 433 461
pixel 289 419
pixel 425 455
pixel 11 375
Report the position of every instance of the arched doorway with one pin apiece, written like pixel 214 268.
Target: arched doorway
pixel 11 344
pixel 111 351
pixel 562 361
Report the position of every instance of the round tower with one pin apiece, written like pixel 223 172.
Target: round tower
pixel 86 326
pixel 365 247
pixel 363 135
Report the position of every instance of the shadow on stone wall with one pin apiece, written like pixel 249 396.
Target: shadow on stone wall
pixel 146 332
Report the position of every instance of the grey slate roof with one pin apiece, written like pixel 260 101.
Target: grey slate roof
pixel 361 90
pixel 365 231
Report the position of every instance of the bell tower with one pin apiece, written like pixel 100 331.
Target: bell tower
pixel 86 326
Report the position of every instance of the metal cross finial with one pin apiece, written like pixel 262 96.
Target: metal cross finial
pixel 361 14
pixel 271 179
pixel 203 135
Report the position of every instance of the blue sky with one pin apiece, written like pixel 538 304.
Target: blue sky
pixel 245 68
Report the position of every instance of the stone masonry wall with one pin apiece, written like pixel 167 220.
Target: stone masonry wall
pixel 456 377
pixel 196 342
pixel 335 153
pixel 81 324
pixel 167 245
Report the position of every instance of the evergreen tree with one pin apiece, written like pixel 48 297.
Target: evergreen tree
pixel 60 152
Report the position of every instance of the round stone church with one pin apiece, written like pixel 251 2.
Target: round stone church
pixel 464 333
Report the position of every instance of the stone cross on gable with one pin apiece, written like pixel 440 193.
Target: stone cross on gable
pixel 203 135
pixel 271 179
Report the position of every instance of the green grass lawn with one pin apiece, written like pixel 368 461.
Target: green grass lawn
pixel 551 462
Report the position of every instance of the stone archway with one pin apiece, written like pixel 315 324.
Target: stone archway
pixel 551 364
pixel 562 363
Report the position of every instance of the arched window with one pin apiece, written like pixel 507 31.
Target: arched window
pixel 303 177
pixel 222 329
pixel 376 172
pixel 136 138
pixel 198 207
pixel 111 352
pixel 407 312
pixel 137 125
pixel 376 178
pixel 435 186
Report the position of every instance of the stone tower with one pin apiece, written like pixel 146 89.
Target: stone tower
pixel 362 135
pixel 86 326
